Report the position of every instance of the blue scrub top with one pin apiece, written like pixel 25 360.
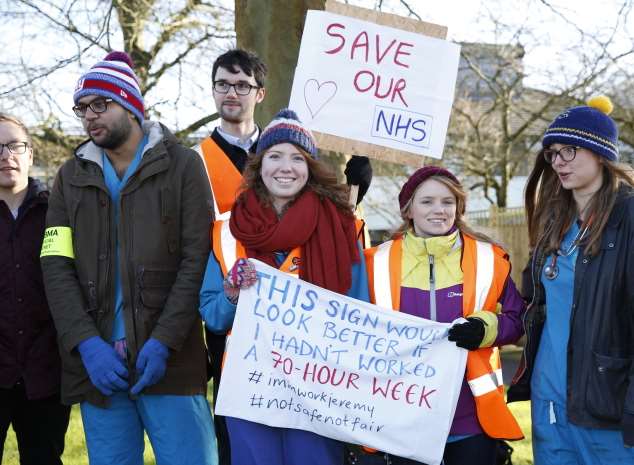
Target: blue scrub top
pixel 115 185
pixel 551 365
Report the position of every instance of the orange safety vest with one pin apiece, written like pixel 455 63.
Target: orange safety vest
pixel 224 178
pixel 227 250
pixel 359 229
pixel 485 269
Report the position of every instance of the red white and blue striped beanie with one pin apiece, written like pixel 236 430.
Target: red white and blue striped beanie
pixel 114 78
pixel 286 127
pixel 587 126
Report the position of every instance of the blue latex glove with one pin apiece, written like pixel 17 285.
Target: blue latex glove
pixel 150 364
pixel 104 365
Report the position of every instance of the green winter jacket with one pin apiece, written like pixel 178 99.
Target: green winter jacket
pixel 163 231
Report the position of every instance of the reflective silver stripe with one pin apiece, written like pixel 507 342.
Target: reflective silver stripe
pixel 222 216
pixel 382 288
pixel 484 273
pixel 228 244
pixel 486 383
pixel 498 375
pixel 485 260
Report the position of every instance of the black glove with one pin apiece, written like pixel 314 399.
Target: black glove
pixel 627 429
pixel 468 335
pixel 359 173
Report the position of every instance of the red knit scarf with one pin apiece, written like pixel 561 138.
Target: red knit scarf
pixel 326 236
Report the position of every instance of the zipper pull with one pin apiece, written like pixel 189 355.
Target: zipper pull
pixel 432 278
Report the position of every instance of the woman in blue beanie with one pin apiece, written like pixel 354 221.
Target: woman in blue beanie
pixel 577 368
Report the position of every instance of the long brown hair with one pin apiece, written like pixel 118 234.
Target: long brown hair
pixel 551 209
pixel 321 179
pixel 461 205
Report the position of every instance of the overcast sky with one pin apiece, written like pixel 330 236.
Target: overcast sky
pixel 467 20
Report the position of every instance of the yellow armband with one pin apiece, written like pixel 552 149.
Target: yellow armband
pixel 58 241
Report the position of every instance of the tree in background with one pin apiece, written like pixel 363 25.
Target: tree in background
pixel 273 29
pixel 498 121
pixel 170 42
pixel 497 118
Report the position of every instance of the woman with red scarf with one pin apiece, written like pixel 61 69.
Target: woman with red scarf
pixel 295 216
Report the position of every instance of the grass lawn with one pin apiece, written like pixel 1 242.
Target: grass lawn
pixel 75 452
pixel 523 452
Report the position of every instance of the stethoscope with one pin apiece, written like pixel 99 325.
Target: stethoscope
pixel 551 270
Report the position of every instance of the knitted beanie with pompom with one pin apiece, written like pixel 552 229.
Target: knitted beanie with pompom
pixel 587 126
pixel 114 78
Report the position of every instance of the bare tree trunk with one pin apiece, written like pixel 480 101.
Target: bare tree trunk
pixel 273 29
pixel 133 16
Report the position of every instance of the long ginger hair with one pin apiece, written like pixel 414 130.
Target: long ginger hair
pixel 321 179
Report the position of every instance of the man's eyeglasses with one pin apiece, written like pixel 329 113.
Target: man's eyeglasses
pixel 567 153
pixel 241 88
pixel 97 106
pixel 14 148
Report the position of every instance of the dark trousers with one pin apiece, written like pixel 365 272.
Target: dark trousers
pixel 215 351
pixel 474 450
pixel 40 426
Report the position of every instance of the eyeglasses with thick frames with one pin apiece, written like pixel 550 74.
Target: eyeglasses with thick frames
pixel 99 105
pixel 566 153
pixel 14 148
pixel 241 88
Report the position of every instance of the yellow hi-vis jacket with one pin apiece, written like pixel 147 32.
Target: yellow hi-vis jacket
pixel 485 269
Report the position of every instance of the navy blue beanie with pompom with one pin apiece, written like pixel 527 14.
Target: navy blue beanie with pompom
pixel 286 127
pixel 587 126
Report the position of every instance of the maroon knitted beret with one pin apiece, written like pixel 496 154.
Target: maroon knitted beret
pixel 415 180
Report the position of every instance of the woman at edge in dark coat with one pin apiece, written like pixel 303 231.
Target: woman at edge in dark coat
pixel 577 365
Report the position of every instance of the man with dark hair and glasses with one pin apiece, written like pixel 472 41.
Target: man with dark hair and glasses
pixel 237 87
pixel 29 360
pixel 123 258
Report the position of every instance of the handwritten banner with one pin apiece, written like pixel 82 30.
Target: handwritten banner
pixel 303 357
pixel 377 84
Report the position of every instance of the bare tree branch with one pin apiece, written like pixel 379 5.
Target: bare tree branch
pixel 196 125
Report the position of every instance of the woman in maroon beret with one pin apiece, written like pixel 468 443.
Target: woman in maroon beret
pixel 431 265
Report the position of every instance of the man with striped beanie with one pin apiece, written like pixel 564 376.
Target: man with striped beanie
pixel 123 262
pixel 114 78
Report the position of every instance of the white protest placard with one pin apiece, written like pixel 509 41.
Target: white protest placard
pixel 376 84
pixel 303 357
